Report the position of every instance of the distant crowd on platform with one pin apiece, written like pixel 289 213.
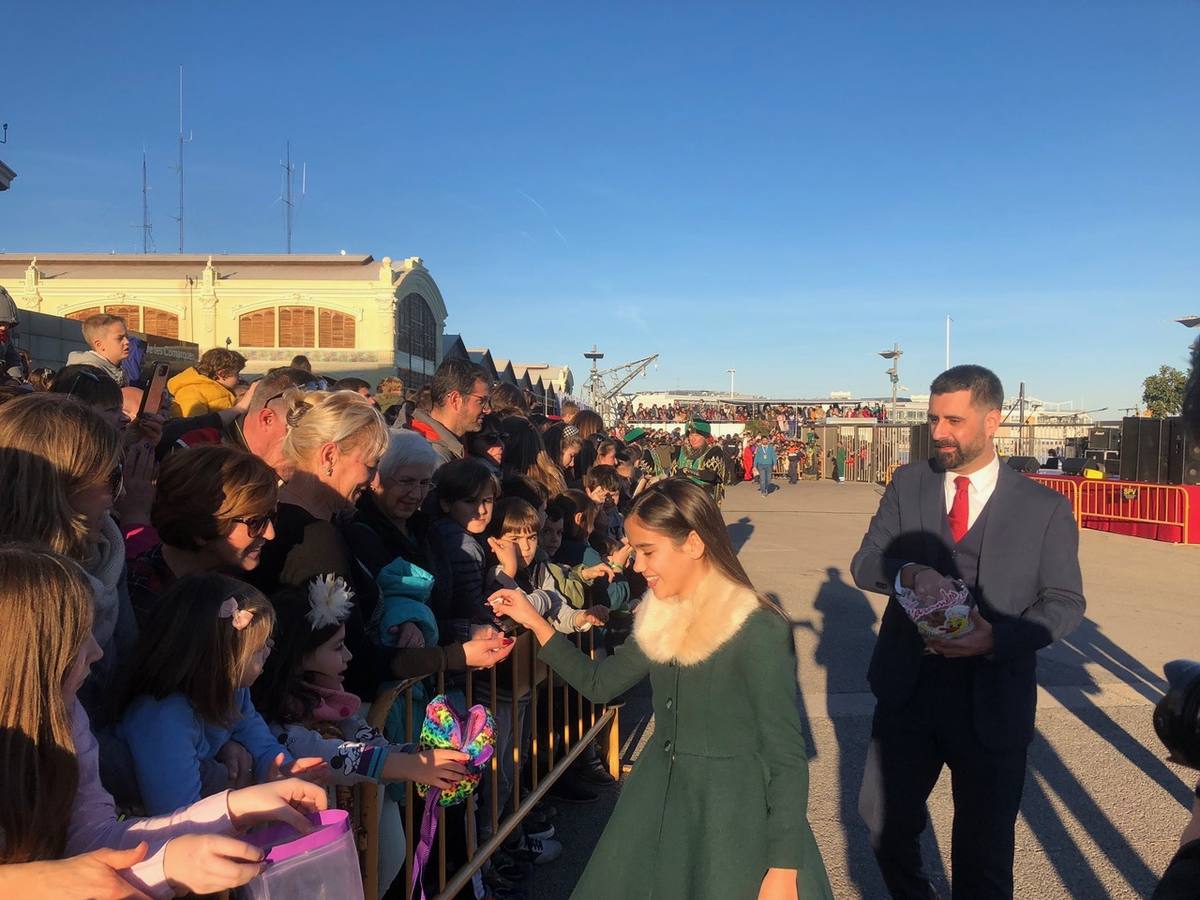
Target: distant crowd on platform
pixel 680 412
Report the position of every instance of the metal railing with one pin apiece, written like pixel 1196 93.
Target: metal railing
pixel 1094 503
pixel 1068 487
pixel 1134 502
pixel 556 741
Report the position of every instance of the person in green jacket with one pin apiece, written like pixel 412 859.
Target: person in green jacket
pixel 716 806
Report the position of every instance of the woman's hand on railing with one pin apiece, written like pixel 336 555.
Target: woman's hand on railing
pixel 442 769
pixel 483 653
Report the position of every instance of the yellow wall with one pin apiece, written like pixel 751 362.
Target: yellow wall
pixel 209 294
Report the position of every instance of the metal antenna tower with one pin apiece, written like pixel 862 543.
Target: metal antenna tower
pixel 147 237
pixel 289 206
pixel 179 168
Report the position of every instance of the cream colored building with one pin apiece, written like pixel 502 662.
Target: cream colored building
pixel 350 315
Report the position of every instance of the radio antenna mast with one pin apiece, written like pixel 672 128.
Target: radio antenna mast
pixel 147 237
pixel 289 204
pixel 179 168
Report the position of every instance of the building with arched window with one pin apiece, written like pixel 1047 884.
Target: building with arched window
pixel 350 315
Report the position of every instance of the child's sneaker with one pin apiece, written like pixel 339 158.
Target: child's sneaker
pixel 538 852
pixel 537 827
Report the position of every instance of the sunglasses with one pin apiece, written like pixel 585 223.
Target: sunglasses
pixel 256 525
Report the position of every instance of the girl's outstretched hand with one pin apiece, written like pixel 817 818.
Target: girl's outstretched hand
pixel 515 605
pixel 207 863
pixel 288 801
pixel 91 876
pixel 310 768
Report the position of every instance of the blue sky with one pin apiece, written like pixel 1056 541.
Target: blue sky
pixel 784 189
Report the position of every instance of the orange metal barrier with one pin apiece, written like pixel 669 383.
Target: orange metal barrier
pixel 1127 501
pixel 1065 486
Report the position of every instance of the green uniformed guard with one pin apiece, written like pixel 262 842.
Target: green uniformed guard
pixel 701 462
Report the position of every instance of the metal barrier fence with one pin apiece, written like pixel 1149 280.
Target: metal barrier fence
pixel 1133 502
pixel 1096 502
pixel 1069 488
pixel 553 745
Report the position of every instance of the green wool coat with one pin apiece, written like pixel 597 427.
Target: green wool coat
pixel 720 793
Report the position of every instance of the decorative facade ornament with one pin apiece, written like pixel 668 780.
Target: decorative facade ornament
pixel 32 297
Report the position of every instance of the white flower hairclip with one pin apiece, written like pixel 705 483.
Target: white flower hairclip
pixel 328 601
pixel 240 617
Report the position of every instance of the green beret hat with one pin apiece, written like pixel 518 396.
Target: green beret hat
pixel 700 427
pixel 633 434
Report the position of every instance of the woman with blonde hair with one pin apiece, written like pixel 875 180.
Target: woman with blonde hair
pixel 336 440
pixel 54 804
pixel 61 466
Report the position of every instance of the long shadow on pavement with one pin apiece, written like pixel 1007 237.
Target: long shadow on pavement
pixel 1065 664
pixel 739 533
pixel 846 639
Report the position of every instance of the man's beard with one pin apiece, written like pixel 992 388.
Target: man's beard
pixel 955 456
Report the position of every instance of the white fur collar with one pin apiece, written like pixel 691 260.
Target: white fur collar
pixel 691 630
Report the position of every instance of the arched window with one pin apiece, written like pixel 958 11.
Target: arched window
pixel 80 314
pixel 297 326
pixel 336 330
pixel 160 322
pixel 416 332
pixel 257 329
pixel 130 312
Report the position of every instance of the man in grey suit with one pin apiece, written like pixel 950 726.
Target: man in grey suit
pixel 967 702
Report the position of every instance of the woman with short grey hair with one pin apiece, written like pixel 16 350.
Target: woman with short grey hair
pixel 389 518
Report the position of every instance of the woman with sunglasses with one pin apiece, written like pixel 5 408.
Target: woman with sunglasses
pixel 60 465
pixel 487 444
pixel 213 512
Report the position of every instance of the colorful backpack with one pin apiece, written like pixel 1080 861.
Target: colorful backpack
pixel 445 729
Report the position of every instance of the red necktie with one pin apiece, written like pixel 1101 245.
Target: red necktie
pixel 960 510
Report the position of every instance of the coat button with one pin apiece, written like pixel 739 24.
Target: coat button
pixel 670 703
pixel 667 747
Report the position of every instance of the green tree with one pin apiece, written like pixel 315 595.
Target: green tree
pixel 1163 392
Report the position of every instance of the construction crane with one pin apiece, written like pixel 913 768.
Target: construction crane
pixel 605 385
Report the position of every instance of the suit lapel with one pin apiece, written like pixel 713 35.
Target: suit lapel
pixel 998 509
pixel 933 511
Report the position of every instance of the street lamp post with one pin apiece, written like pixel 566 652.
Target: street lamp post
pixel 894 372
pixel 731 372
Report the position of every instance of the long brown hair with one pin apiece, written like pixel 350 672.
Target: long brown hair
pixel 51 446
pixel 46 607
pixel 675 508
pixel 188 648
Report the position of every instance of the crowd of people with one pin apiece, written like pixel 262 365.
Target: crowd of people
pixel 783 418
pixel 222 585
pixel 205 590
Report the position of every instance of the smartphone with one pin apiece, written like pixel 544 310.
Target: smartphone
pixel 152 397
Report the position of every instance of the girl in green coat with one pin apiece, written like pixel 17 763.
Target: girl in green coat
pixel 716 805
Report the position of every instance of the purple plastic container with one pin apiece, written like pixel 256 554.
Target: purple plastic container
pixel 322 865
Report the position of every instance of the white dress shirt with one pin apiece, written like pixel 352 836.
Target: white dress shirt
pixel 983 484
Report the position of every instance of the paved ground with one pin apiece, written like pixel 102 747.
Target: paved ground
pixel 1102 811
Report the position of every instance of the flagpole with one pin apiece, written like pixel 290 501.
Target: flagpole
pixel 948 321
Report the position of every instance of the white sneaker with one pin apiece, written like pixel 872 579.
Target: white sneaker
pixel 538 851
